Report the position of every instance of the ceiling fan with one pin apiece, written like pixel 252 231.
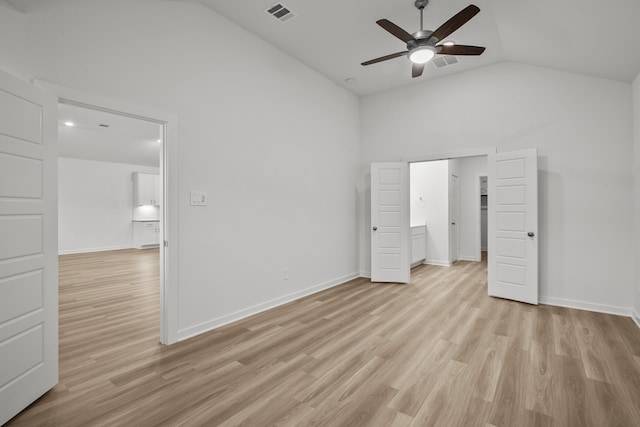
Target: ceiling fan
pixel 422 45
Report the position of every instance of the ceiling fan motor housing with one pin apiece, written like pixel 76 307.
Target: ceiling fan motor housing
pixel 422 36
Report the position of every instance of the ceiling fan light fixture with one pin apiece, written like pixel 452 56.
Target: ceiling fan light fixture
pixel 422 54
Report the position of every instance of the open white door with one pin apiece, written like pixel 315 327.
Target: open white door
pixel 390 239
pixel 28 245
pixel 513 225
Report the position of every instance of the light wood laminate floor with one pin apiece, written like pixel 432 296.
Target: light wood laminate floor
pixel 436 352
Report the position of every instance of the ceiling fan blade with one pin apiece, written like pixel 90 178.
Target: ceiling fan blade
pixel 416 70
pixel 384 58
pixel 457 21
pixel 395 30
pixel 459 49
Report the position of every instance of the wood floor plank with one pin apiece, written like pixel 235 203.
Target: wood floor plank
pixel 564 336
pixel 487 366
pixel 541 381
pixel 415 391
pixel 509 403
pixel 436 351
pixel 593 347
pixel 569 393
pixel 445 400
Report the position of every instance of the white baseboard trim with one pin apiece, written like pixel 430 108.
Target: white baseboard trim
pixel 588 306
pixel 438 263
pixel 365 274
pixel 84 251
pixel 636 317
pixel 468 258
pixel 192 331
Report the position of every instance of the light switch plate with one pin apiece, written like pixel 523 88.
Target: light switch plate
pixel 198 198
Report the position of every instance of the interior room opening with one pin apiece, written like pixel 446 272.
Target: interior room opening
pixel 110 193
pixel 448 211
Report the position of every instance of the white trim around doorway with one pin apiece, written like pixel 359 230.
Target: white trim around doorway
pixel 169 206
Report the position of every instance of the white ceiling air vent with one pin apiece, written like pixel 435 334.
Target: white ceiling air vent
pixel 280 12
pixel 445 60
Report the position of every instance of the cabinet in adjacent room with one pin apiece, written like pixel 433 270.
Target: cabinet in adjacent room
pixel 146 234
pixel 146 189
pixel 418 244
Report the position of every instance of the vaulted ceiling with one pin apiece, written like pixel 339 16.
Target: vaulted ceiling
pixel 591 37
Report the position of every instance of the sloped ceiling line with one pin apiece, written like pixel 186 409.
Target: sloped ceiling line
pixel 21 6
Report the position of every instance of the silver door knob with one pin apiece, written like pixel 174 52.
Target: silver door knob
pixel 531 234
pixel 375 228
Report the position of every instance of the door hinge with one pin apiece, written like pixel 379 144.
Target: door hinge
pixel 166 243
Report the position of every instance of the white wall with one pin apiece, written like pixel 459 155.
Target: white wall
pixel 636 193
pixel 417 194
pixel 95 205
pixel 275 144
pixel 582 129
pixel 469 169
pixel 429 181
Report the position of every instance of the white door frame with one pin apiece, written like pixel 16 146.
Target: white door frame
pixel 169 205
pixel 454 244
pixel 459 154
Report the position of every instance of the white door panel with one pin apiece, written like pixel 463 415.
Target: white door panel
pixel 28 245
pixel 20 118
pixel 390 237
pixel 513 229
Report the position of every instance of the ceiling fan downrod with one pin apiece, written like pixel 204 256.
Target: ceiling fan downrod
pixel 421 34
pixel 421 4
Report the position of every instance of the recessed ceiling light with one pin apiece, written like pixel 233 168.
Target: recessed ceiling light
pixel 70 124
pixel 350 80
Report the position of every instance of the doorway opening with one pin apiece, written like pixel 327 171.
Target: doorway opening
pixel 168 225
pixel 446 200
pixel 109 212
pixel 483 214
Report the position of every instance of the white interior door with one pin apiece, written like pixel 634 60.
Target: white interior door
pixel 28 245
pixel 453 218
pixel 513 225
pixel 390 234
